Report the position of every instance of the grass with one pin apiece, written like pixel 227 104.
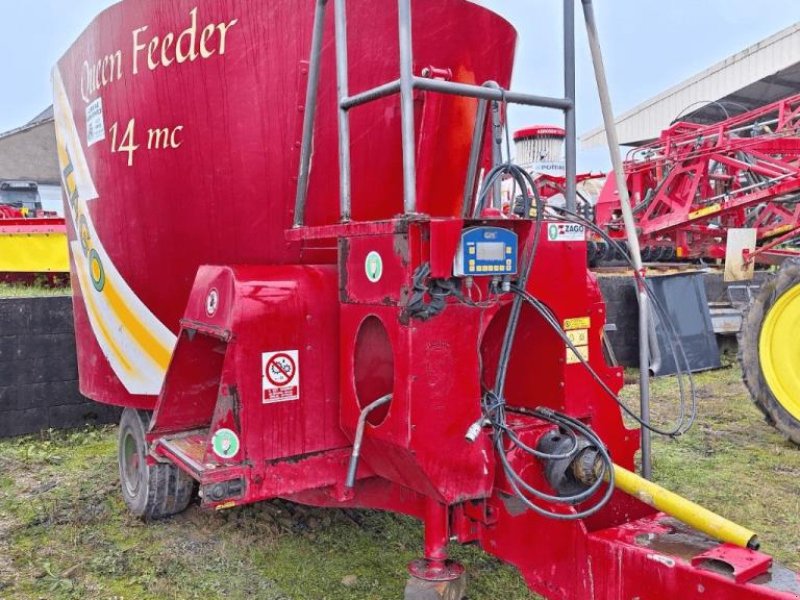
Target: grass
pixel 731 461
pixel 65 534
pixel 20 290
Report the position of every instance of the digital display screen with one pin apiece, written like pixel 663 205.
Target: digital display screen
pixel 492 251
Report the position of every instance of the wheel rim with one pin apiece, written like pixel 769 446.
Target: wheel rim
pixel 131 464
pixel 779 350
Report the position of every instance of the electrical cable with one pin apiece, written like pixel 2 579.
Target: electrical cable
pixel 676 346
pixel 494 404
pixel 517 484
pixel 551 320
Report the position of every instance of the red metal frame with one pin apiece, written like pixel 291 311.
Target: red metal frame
pixel 18 225
pixel 415 458
pixel 696 181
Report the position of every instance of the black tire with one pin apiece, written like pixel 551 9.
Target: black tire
pixel 786 279
pixel 150 491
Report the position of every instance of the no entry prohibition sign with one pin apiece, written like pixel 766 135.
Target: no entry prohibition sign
pixel 280 376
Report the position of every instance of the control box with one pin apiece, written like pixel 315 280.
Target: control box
pixel 486 251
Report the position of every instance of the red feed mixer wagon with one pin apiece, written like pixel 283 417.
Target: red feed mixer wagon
pixel 277 274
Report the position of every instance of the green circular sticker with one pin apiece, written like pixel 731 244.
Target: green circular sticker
pixel 225 443
pixel 373 266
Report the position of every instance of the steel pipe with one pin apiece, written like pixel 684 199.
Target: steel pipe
pixel 497 153
pixel 381 91
pixel 476 91
pixel 309 114
pixel 352 468
pixel 475 152
pixel 684 510
pixel 630 230
pixel 340 18
pixel 570 130
pixel 407 107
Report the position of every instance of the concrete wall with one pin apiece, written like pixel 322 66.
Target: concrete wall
pixel 39 374
pixel 38 369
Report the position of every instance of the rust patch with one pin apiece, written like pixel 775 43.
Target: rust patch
pixel 680 541
pixel 401 248
pixel 344 254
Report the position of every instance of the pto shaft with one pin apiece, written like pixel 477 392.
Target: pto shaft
pixel 684 510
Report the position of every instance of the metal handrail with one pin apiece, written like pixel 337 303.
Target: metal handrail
pixel 475 151
pixel 309 113
pixel 405 86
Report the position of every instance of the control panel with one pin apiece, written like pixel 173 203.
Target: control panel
pixel 486 251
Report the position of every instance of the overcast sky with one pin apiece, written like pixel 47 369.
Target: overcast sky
pixel 649 45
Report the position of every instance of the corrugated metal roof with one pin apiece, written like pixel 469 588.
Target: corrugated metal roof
pixel 758 75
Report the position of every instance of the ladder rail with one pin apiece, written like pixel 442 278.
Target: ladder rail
pixel 405 86
pixel 342 91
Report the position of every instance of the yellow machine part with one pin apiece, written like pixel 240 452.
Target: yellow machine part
pixel 34 253
pixel 684 510
pixel 779 350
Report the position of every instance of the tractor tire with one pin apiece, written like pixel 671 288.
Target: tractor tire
pixel 150 491
pixel 769 350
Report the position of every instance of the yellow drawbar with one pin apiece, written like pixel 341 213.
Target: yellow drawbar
pixel 684 510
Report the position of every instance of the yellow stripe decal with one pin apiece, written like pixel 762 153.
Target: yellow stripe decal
pixel 100 324
pixel 140 333
pixel 136 343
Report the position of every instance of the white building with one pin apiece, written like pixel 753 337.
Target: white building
pixel 758 75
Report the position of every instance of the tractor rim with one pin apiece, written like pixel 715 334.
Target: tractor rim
pixel 131 464
pixel 779 350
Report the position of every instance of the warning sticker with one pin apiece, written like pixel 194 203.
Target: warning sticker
pixel 95 127
pixel 566 232
pixel 578 337
pixel 572 358
pixel 577 330
pixel 577 323
pixel 280 376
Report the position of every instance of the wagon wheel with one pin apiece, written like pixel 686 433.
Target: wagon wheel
pixel 769 350
pixel 150 491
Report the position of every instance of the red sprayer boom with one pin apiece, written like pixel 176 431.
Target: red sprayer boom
pixel 697 181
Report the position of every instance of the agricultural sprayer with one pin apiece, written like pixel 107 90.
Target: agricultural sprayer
pixel 289 268
pixel 689 190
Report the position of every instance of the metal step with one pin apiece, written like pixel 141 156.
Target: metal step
pixel 187 449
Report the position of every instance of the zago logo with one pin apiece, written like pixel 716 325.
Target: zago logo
pixel 136 343
pixel 96 270
pixel 566 232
